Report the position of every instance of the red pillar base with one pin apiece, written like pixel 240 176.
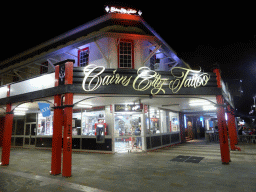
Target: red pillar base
pixel 236 148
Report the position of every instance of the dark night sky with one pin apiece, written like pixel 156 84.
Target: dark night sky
pixel 200 34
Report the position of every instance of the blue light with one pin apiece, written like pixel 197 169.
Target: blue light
pixel 202 120
pixel 185 121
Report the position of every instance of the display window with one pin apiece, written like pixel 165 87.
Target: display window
pixel 174 122
pixel 89 118
pixel 154 121
pixel 76 122
pixel 45 124
pixel 164 121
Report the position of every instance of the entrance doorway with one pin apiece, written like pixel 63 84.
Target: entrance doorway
pixel 128 132
pixel 30 133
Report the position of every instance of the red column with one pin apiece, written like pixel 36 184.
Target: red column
pixel 234 124
pixel 232 129
pixel 57 130
pixel 1 130
pixel 223 137
pixel 68 111
pixel 7 133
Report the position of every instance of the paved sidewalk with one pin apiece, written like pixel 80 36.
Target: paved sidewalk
pixel 153 171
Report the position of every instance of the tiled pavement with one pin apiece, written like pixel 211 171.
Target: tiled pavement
pixel 151 171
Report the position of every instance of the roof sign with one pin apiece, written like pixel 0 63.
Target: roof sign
pixel 122 10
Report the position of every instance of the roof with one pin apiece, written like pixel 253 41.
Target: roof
pixel 110 19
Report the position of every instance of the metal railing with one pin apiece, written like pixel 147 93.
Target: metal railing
pixel 247 138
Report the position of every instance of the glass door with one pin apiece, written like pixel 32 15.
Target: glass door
pixel 30 133
pixel 128 132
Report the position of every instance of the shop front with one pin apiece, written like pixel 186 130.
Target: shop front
pixel 139 109
pixel 105 110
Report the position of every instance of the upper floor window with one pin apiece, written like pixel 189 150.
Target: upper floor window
pixel 83 57
pixel 126 54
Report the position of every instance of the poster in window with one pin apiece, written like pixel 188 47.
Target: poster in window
pixel 47 128
pixel 73 123
pixel 174 124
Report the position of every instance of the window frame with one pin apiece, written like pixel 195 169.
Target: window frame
pixel 132 53
pixel 79 53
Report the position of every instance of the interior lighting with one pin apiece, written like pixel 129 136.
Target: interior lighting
pixel 84 106
pixel 19 113
pixel 199 103
pixel 226 116
pixel 209 107
pixel 185 121
pixel 21 109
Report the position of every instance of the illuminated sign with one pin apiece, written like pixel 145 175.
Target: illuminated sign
pixel 123 11
pixel 146 79
pixel 128 108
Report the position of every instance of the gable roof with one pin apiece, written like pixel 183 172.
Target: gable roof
pixel 110 19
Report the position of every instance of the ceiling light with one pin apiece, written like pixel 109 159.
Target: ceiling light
pixel 19 113
pixel 21 109
pixel 84 106
pixel 209 107
pixel 198 103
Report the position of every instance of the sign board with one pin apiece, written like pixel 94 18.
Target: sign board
pixel 128 108
pixel 144 80
pixel 122 10
pixel 45 109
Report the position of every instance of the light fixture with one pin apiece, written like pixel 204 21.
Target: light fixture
pixel 84 106
pixel 21 109
pixel 19 113
pixel 209 107
pixel 199 103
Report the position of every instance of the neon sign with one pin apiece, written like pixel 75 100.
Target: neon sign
pixel 123 10
pixel 146 79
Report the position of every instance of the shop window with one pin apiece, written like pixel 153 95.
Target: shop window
pixel 174 122
pixel 164 121
pixel 19 127
pixel 126 54
pixel 89 118
pixel 30 117
pixel 45 124
pixel 13 127
pixel 154 121
pixel 83 57
pixel 76 122
pixel 44 67
pixel 19 141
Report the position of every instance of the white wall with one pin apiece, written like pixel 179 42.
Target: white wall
pixel 3 92
pixel 39 83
